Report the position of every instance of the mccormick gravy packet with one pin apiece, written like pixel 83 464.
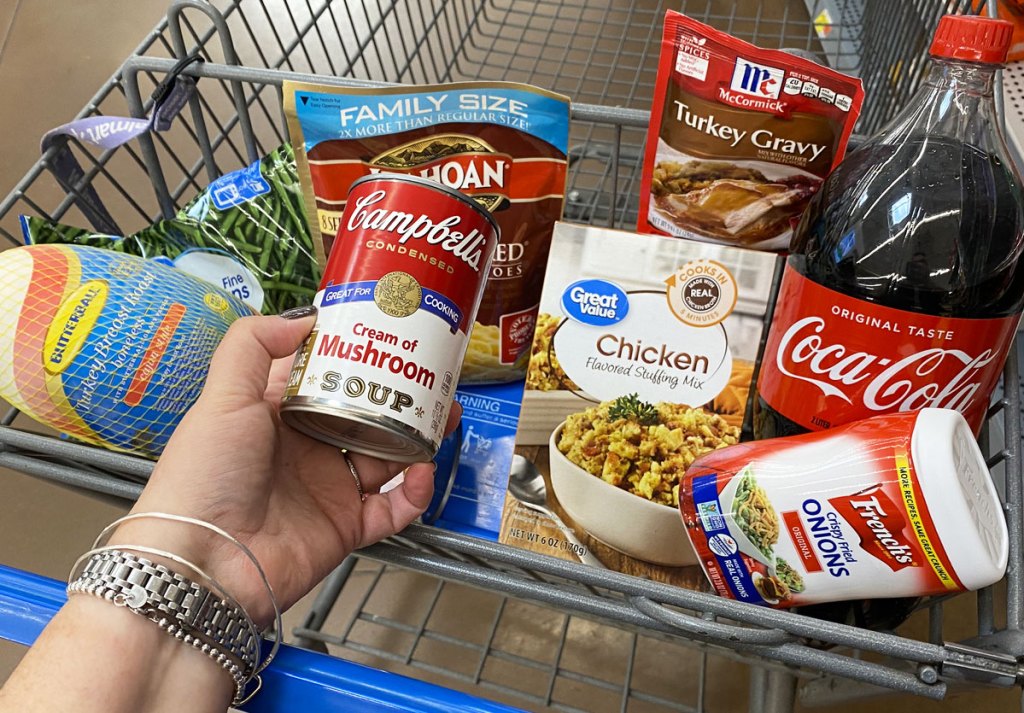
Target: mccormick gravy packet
pixel 740 137
pixel 503 144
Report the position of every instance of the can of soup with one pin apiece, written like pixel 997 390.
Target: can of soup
pixel 398 298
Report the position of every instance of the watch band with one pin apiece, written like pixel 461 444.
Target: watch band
pixel 172 601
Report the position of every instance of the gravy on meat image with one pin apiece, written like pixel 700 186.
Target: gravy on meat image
pixel 727 201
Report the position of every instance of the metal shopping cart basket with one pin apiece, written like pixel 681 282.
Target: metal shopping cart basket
pixel 602 55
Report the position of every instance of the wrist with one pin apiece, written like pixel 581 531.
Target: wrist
pixel 162 662
pixel 198 615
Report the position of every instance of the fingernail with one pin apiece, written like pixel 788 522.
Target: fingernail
pixel 298 312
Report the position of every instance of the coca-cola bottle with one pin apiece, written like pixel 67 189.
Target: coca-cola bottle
pixel 904 286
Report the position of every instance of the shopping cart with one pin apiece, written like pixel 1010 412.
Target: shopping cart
pixel 604 57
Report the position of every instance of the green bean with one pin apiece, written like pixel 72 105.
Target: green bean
pixel 289 263
pixel 265 255
pixel 268 234
pixel 288 287
pixel 232 217
pixel 270 304
pixel 241 243
pixel 296 220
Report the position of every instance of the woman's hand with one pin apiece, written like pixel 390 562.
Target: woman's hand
pixel 289 498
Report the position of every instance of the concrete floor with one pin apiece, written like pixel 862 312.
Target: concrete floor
pixel 53 56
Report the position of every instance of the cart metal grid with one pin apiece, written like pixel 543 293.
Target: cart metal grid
pixel 604 55
pixel 235 117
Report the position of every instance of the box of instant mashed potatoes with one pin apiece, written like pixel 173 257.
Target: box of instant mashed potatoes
pixel 642 360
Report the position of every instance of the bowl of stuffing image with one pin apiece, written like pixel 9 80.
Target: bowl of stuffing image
pixel 616 469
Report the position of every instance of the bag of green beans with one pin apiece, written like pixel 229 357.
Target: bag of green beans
pixel 246 233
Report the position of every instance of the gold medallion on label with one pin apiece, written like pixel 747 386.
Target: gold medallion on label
pixel 216 302
pixel 398 294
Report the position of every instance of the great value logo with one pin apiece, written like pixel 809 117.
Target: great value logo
pixel 595 302
pixel 757 80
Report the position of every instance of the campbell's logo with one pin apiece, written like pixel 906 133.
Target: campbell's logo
pixel 72 325
pixel 757 80
pixel 935 377
pixel 468 247
pixel 880 526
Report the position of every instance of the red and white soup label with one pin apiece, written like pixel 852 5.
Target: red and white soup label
pixel 397 301
pixel 832 359
pixel 819 517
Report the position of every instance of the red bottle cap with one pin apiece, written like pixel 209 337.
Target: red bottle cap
pixel 972 38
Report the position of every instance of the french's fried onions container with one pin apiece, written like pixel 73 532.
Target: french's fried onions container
pixel 893 506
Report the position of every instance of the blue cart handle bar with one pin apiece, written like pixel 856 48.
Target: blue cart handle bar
pixel 297 679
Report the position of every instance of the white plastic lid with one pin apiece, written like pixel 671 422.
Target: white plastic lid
pixel 960 496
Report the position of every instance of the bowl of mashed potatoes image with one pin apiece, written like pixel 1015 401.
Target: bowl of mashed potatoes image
pixel 616 469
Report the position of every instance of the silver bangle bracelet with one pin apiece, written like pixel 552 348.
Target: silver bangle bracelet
pixel 183 519
pixel 214 625
pixel 250 670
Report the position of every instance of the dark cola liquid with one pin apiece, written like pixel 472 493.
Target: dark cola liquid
pixel 931 225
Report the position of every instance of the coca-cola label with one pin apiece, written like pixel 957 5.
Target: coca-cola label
pixel 818 517
pixel 831 359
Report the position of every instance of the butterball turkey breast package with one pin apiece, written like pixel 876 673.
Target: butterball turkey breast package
pixel 740 137
pixel 502 144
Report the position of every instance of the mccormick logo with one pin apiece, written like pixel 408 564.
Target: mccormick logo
pixel 880 526
pixel 757 80
pixel 468 247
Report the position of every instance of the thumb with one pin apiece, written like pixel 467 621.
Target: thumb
pixel 241 365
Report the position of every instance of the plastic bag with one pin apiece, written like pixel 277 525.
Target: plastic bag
pixel 245 233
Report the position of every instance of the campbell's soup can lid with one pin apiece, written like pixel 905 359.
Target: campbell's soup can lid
pixel 961 496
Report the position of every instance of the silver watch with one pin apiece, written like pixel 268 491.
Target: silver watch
pixel 161 594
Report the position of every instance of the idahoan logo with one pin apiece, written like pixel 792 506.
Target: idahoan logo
pixel 458 161
pixel 72 325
